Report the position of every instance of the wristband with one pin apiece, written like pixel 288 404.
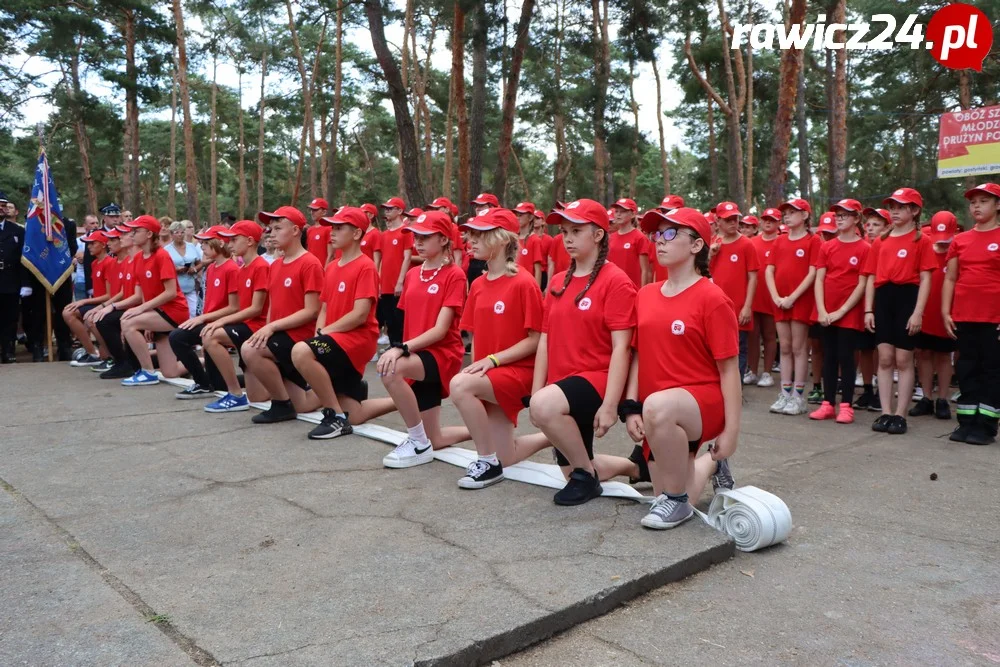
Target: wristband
pixel 493 358
pixel 628 407
pixel 869 312
pixel 404 347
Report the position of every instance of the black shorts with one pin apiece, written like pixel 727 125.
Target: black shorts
pixel 477 267
pixel 384 308
pixel 894 305
pixel 344 377
pixel 931 343
pixel 166 318
pixel 239 333
pixel 693 447
pixel 428 391
pixel 86 308
pixel 584 402
pixel 865 340
pixel 815 331
pixel 280 345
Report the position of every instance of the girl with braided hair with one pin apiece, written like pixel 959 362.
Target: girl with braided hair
pixel 583 352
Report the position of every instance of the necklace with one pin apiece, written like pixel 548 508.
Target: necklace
pixel 433 275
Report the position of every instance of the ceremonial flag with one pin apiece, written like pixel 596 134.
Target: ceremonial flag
pixel 46 250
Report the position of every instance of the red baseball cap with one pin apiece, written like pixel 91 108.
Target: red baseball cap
pixel 113 234
pixel 710 216
pixel 492 219
pixel 905 196
pixel 849 205
pixel 524 207
pixel 943 227
pixel 318 203
pixel 348 215
pixel 782 229
pixel 726 209
pixel 213 232
pixel 880 212
pixel 539 214
pixel 247 228
pixel 97 236
pixel 370 209
pixel 394 202
pixel 991 189
pixel 750 220
pixel 413 213
pixel 581 212
pixel 771 214
pixel 444 202
pixel 147 222
pixel 626 204
pixel 684 217
pixel 797 204
pixel 431 222
pixel 122 229
pixel 672 201
pixel 293 214
pixel 486 198
pixel 827 223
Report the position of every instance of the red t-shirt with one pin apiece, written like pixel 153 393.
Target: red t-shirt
pixel 115 271
pixel 220 282
pixel 900 259
pixel 560 258
pixel 625 249
pixel 423 302
pixel 933 322
pixel 101 272
pixel 394 243
pixel 680 338
pixel 371 242
pixel 531 253
pixel 288 285
pixel 318 241
pixel 546 249
pixel 791 261
pixel 579 334
pixel 499 313
pixel 150 273
pixel 843 263
pixel 342 286
pixel 253 277
pixel 978 256
pixel 730 269
pixel 127 276
pixel 762 302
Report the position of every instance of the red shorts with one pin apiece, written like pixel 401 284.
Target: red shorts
pixel 713 416
pixel 510 385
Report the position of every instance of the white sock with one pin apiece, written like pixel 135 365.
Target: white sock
pixel 490 458
pixel 417 433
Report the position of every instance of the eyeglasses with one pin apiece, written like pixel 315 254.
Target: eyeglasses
pixel 669 234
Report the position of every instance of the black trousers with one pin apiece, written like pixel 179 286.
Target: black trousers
pixel 391 316
pixel 111 331
pixel 33 315
pixel 10 308
pixel 839 345
pixel 183 342
pixel 978 370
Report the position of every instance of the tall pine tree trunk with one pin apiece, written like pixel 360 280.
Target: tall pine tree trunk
pixel 634 169
pixel 477 114
pixel 748 179
pixel 664 167
pixel 190 171
pixel 510 98
pixel 802 130
pixel 563 158
pixel 130 189
pixel 838 135
pixel 172 168
pixel 602 73
pixel 458 95
pixel 334 128
pixel 713 153
pixel 260 137
pixel 242 147
pixel 449 141
pixel 80 129
pixel 791 60
pixel 213 206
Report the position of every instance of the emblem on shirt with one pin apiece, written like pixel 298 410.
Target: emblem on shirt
pixel 248 282
pixel 767 254
pixel 902 253
pixel 677 328
pixel 288 282
pixel 992 247
pixel 524 251
pixel 342 287
pixel 499 307
pixel 149 274
pixel 734 257
pixel 853 261
pixel 800 252
pixel 364 243
pixel 395 242
pixel 316 237
pixel 627 246
pixel 128 276
pixel 216 283
pixel 585 303
pixel 98 274
pixel 433 289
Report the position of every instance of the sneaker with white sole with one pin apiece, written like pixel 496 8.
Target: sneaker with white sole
pixel 103 366
pixel 779 405
pixel 480 474
pixel 666 513
pixel 141 378
pixel 796 405
pixel 765 380
pixel 723 478
pixel 87 360
pixel 194 391
pixel 918 393
pixel 749 378
pixel 409 453
pixel 332 426
pixel 229 403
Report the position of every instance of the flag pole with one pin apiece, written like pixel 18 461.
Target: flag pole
pixel 48 297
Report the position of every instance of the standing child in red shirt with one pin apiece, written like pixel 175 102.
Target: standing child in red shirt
pixel 684 381
pixel 396 253
pixel 764 331
pixel 583 352
pixel 504 315
pixel 876 221
pixel 790 274
pixel 317 235
pixel 101 268
pixel 446 206
pixel 294 285
pixel 371 244
pixel 971 314
pixel 934 345
pixel 418 369
pixel 840 288
pixel 628 247
pixel 541 231
pixel 899 265
pixel 559 259
pixel 734 265
pixel 531 255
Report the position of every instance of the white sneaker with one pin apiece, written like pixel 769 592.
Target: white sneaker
pixel 858 380
pixel 409 454
pixel 749 377
pixel 895 376
pixel 383 340
pixel 796 405
pixel 779 405
pixel 918 393
pixel 765 380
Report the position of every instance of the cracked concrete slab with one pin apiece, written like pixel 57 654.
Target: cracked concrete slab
pixel 265 548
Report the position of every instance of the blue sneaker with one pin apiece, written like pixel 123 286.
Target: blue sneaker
pixel 229 403
pixel 141 378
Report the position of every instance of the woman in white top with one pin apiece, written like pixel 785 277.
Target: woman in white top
pixel 187 261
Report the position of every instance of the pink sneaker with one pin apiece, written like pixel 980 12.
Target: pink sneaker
pixel 845 415
pixel 824 411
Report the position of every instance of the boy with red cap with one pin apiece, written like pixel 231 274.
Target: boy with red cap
pixel 231 331
pixel 396 252
pixel 734 266
pixel 101 267
pixel 749 226
pixel 531 255
pixel 628 247
pixel 971 314
pixel 899 267
pixel 294 286
pixel 934 345
pixel 317 235
pixel 371 243
pixel 764 332
pixel 684 381
pixel 876 221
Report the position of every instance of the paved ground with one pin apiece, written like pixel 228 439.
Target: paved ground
pixel 169 537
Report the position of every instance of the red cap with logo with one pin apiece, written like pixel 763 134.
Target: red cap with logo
pixel 444 202
pixel 413 213
pixel 113 233
pixel 797 204
pixel 849 205
pixel 880 212
pixel 727 209
pixel 683 217
pixel 943 227
pixel 750 220
pixel 213 232
pixel 348 215
pixel 486 198
pixel 370 209
pixel 146 222
pixel 538 214
pixel 710 216
pixel 672 201
pixel 581 212
pixel 493 218
pixel 318 203
pixel 394 202
pixel 991 189
pixel 904 196
pixel 525 207
pixel 122 229
pixel 627 205
pixel 247 228
pixel 291 213
pixel 827 223
pixel 431 222
pixel 97 236
pixel 782 229
pixel 771 214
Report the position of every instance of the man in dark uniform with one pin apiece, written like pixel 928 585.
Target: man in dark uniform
pixel 11 280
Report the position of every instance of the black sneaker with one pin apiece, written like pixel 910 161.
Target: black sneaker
pixel 582 486
pixel 863 400
pixel 960 433
pixel 331 427
pixel 280 411
pixel 875 404
pixel 881 423
pixel 941 409
pixel 979 435
pixel 897 425
pixel 481 474
pixel 815 396
pixel 639 460
pixel 117 372
pixel 194 391
pixel 923 407
pixel 103 366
